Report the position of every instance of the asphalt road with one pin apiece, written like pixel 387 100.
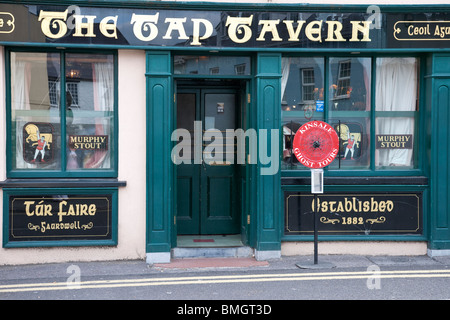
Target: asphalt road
pixel 229 290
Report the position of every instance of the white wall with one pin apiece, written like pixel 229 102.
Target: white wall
pixel 132 201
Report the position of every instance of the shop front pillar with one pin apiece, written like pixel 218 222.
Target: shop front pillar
pixel 269 213
pixel 159 164
pixel 438 103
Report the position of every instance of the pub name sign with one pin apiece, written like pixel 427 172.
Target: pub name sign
pixel 197 28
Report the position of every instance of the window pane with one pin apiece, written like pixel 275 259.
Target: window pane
pixel 302 100
pixel 349 110
pixel 212 65
pixel 35 113
pixel 349 86
pixel 354 137
pixel 396 106
pixel 89 111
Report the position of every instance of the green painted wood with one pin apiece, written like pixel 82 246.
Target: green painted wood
pixel 439 165
pixel 160 194
pixel 268 209
pixel 207 194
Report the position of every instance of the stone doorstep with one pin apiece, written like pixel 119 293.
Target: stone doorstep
pixel 188 263
pixel 227 252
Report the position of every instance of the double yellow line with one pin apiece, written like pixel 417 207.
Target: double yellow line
pixel 98 284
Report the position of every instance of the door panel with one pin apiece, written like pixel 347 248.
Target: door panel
pixel 188 179
pixel 187 206
pixel 208 193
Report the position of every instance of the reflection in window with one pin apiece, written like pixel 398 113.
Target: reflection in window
pixel 212 65
pixel 349 84
pixel 89 115
pixel 302 100
pixel 343 88
pixel 308 84
pixel 349 110
pixel 240 69
pixel 72 94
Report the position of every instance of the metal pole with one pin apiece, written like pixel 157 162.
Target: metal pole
pixel 315 230
pixel 339 151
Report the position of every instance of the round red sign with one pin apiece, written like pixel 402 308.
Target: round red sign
pixel 316 144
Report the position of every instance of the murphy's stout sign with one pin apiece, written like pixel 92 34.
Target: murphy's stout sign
pixel 60 217
pixel 354 213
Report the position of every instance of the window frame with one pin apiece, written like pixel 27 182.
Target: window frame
pixel 419 121
pixel 62 172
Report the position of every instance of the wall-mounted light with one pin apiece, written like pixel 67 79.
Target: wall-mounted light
pixel 73 73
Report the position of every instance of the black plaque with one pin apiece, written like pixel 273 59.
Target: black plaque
pixel 60 217
pixel 354 213
pixel 394 141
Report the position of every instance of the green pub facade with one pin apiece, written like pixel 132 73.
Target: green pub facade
pixel 132 127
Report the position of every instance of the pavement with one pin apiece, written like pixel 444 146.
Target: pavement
pixel 140 267
pixel 223 280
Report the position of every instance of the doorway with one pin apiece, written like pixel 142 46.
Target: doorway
pixel 209 179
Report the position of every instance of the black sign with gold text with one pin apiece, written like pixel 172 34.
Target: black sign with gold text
pixel 394 141
pixel 60 217
pixel 354 213
pixel 364 28
pixel 86 142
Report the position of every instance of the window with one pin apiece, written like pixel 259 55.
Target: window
pixel 343 88
pixel 212 65
pixel 47 139
pixel 240 69
pixel 308 84
pixel 349 108
pixel 371 138
pixel 300 106
pixel 214 70
pixel 72 94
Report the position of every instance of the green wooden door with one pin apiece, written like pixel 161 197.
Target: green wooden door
pixel 208 185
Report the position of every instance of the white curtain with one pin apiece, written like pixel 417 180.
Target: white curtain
pixel 20 100
pixel 285 69
pixel 103 82
pixel 396 90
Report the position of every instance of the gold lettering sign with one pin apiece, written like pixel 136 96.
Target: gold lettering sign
pixel 394 141
pixel 88 142
pixel 60 217
pixel 422 30
pixel 354 213
pixel 146 28
pixel 6 22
